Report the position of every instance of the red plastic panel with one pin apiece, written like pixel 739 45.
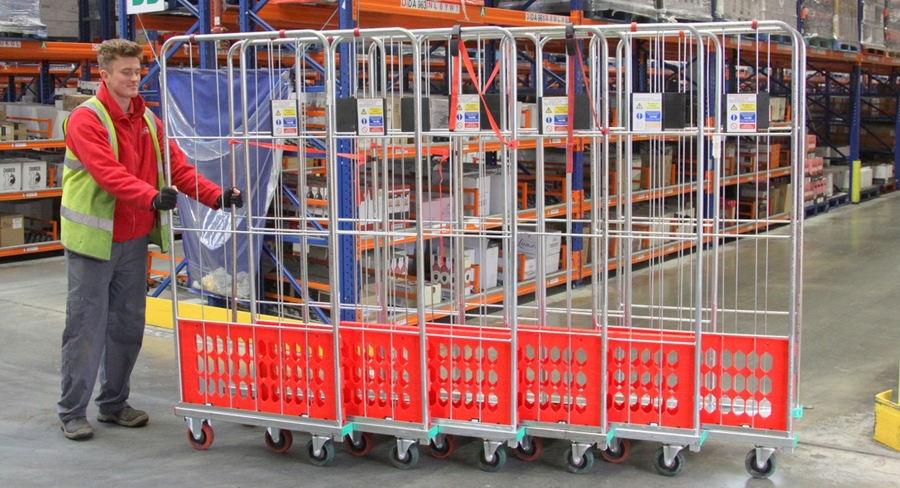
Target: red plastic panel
pixel 649 382
pixel 559 376
pixel 381 371
pixel 286 370
pixel 469 374
pixel 745 381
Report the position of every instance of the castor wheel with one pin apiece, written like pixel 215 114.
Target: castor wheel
pixel 446 448
pixel 323 457
pixel 576 465
pixel 659 462
pixel 617 455
pixel 495 464
pixel 362 447
pixel 756 471
pixel 409 461
pixel 285 440
pixel 529 449
pixel 205 440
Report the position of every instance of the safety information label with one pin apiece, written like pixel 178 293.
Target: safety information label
pixel 556 115
pixel 646 112
pixel 546 18
pixel 10 43
pixel 370 114
pixel 740 112
pixel 284 118
pixel 468 113
pixel 449 8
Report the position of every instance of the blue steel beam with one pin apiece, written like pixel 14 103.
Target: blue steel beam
pixel 126 22
pixel 347 199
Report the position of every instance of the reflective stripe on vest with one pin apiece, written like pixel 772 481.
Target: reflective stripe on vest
pixel 87 210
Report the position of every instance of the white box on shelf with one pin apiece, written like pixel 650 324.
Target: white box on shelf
pixel 883 171
pixel 527 243
pixel 483 185
pixel 34 176
pixel 436 208
pixel 487 258
pixel 10 177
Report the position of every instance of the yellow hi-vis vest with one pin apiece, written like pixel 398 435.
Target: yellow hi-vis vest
pixel 87 210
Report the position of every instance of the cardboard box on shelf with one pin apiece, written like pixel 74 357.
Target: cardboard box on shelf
pixel 34 175
pixel 841 176
pixel 2 112
pixel 10 176
pixel 443 271
pixel 496 202
pixel 20 132
pixel 407 289
pixel 883 171
pixel 12 230
pixel 527 267
pixel 7 131
pixel 527 243
pixel 487 258
pixel 482 184
pixel 71 102
pixel 656 168
pixel 436 208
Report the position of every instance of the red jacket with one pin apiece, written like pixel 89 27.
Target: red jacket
pixel 131 179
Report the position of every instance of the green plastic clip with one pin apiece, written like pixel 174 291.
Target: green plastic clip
pixel 795 441
pixel 347 429
pixel 432 432
pixel 610 436
pixel 702 438
pixel 798 412
pixel 520 434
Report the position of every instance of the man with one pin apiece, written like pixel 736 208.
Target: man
pixel 114 202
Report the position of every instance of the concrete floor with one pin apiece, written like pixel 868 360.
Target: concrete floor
pixel 850 352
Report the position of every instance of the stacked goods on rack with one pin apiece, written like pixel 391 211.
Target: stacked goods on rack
pixel 743 10
pixel 892 27
pixel 846 25
pixel 607 9
pixel 817 22
pixel 23 174
pixel 873 26
pixel 815 183
pixel 21 18
pixel 694 10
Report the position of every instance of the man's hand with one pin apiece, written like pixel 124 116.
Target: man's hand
pixel 231 196
pixel 166 199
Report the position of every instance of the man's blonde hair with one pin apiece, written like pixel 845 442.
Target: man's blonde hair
pixel 113 49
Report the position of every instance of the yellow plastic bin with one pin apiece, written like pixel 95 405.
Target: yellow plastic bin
pixel 887 420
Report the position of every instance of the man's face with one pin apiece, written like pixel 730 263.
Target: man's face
pixel 123 77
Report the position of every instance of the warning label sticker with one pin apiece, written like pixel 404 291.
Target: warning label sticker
pixel 555 116
pixel 741 113
pixel 285 122
pixel 468 113
pixel 370 114
pixel 646 112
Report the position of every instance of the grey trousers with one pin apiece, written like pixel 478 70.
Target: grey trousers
pixel 104 327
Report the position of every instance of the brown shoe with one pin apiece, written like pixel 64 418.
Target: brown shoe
pixel 77 429
pixel 127 417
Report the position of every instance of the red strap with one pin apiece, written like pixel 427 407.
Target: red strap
pixel 570 118
pixel 514 144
